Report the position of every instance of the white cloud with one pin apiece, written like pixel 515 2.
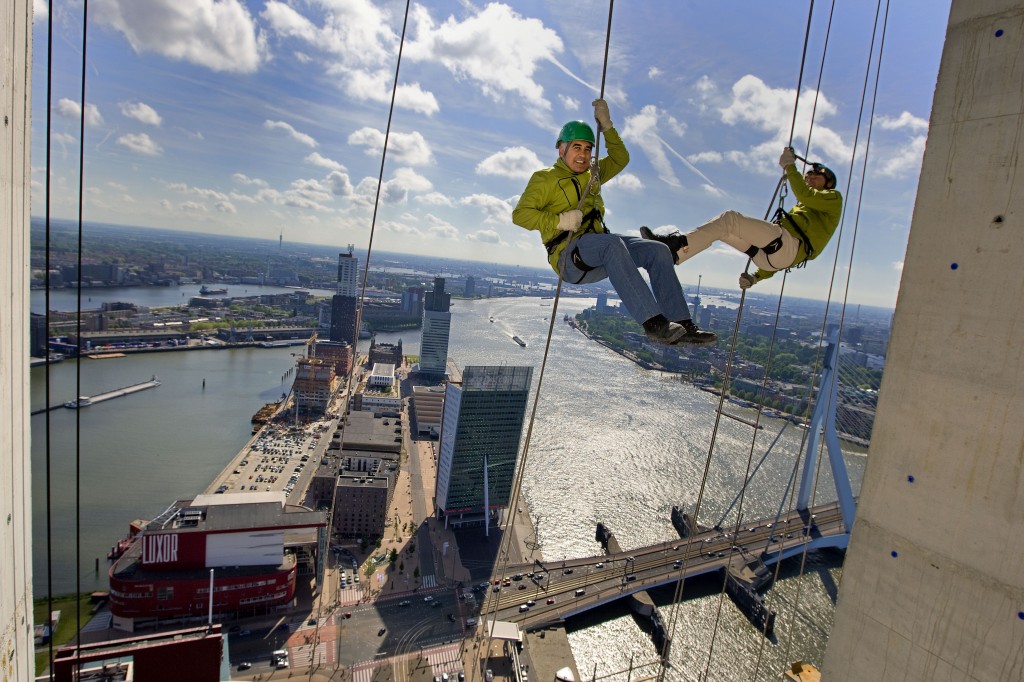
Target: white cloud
pixel 653 72
pixel 754 103
pixel 302 138
pixel 140 143
pixel 217 34
pixel 339 183
pixel 440 228
pixel 410 180
pixel 141 112
pixel 901 161
pixel 495 209
pixel 357 47
pixel 705 157
pixel 409 148
pixel 243 179
pixel 496 48
pixel 435 199
pixel 70 109
pixel 484 237
pixel 192 207
pixel 512 162
pixel 317 159
pixel 626 181
pixel 225 207
pixel 904 120
pixel 642 131
pixel 40 11
pixel 375 86
pixel 570 104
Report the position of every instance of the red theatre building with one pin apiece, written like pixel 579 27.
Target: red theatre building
pixel 256 544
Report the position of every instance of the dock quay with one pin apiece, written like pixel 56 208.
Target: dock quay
pixel 86 400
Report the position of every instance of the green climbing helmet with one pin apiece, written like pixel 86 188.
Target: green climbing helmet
pixel 575 130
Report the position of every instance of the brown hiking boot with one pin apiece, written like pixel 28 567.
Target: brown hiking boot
pixel 693 335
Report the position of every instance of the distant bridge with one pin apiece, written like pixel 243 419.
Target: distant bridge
pixel 562 589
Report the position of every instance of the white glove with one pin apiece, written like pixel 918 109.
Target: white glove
pixel 601 115
pixel 746 281
pixel 570 221
pixel 788 157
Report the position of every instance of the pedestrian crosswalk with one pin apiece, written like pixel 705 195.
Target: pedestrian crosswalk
pixel 307 655
pixel 446 658
pixel 429 581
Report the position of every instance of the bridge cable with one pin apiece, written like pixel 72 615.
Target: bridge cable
pixel 506 539
pixel 870 124
pixel 46 314
pixel 680 584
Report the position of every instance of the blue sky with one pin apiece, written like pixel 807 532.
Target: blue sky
pixel 266 118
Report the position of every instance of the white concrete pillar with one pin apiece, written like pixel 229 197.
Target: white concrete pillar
pixel 17 660
pixel 933 586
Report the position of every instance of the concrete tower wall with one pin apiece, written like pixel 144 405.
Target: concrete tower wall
pixel 933 586
pixel 16 651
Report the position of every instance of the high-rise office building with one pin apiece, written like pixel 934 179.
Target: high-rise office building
pixel 344 304
pixel 481 427
pixel 348 271
pixel 437 323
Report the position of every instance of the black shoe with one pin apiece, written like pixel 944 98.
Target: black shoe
pixel 676 242
pixel 660 330
pixel 693 335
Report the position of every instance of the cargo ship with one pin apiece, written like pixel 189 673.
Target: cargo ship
pixel 207 291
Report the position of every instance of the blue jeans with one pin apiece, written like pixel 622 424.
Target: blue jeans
pixel 618 258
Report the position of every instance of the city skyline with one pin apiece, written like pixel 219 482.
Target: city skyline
pixel 268 119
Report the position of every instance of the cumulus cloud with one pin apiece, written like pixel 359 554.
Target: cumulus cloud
pixel 570 104
pixel 653 72
pixel 435 199
pixel 496 48
pixel 140 143
pixel 339 183
pixel 495 209
pixel 512 162
pixel 225 207
pixel 904 120
pixel 301 138
pixel 410 180
pixel 902 160
pixel 357 46
pixel 192 207
pixel 626 181
pixel 217 34
pixel 409 148
pixel 70 109
pixel 243 179
pixel 318 160
pixel 484 237
pixel 141 112
pixel 442 229
pixel 754 104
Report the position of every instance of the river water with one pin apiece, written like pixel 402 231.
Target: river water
pixel 611 442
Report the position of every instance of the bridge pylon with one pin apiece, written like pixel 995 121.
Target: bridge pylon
pixel 823 424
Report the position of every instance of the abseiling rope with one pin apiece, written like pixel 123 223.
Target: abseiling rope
pixel 359 315
pixel 680 584
pixel 517 481
pixel 849 182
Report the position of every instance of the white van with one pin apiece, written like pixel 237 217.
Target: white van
pixel 580 592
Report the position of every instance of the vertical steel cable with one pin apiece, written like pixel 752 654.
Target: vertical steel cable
pixel 517 481
pixel 362 295
pixel 46 313
pixel 78 332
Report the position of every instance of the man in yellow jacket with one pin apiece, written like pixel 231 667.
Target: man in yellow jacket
pixel 580 248
pixel 795 238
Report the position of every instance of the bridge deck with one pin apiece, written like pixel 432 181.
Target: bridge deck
pixel 560 590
